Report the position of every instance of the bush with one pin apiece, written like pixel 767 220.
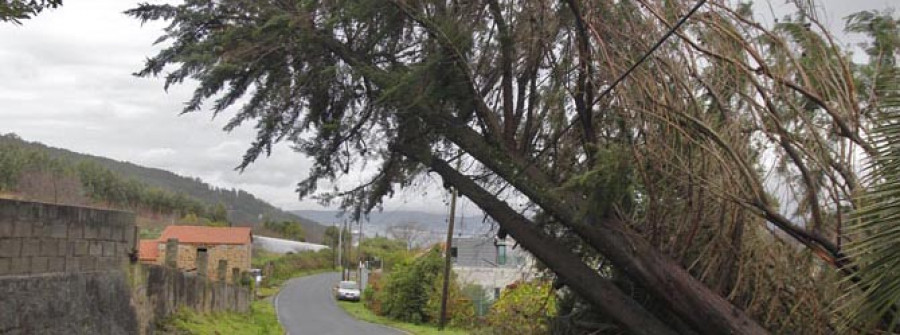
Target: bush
pixel 523 308
pixel 288 266
pixel 460 310
pixel 412 293
pixel 406 289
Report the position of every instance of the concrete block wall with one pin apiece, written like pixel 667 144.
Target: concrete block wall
pixel 40 238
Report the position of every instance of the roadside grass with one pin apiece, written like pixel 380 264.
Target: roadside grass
pixel 359 311
pixel 261 320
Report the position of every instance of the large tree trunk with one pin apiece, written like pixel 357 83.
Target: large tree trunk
pixel 601 292
pixel 687 297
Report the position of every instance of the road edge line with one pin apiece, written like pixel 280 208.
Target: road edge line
pixel 277 314
pixel 404 331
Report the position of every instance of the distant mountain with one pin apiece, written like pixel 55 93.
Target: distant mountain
pixel 242 207
pixel 434 225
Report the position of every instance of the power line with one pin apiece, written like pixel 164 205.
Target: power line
pixel 631 69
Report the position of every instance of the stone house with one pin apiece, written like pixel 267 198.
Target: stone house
pixel 490 263
pixel 232 244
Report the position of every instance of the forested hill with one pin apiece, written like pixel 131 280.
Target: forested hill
pixel 151 188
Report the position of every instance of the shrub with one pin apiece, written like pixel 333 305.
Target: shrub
pixel 523 308
pixel 406 289
pixel 460 310
pixel 287 266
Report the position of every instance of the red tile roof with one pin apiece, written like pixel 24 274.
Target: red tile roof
pixel 207 235
pixel 149 250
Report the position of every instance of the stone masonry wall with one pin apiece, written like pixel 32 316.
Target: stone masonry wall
pixel 161 291
pixel 37 238
pixel 238 256
pixel 62 269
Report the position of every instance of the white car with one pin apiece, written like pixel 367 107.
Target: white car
pixel 347 290
pixel 256 274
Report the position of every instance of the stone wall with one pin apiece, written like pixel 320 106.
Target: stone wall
pixel 237 255
pixel 62 269
pixel 37 238
pixel 160 291
pixel 65 270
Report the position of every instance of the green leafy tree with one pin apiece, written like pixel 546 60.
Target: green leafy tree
pixel 648 163
pixel 407 290
pixel 17 10
pixel 287 229
pixel 523 308
pixel 875 228
pixel 460 309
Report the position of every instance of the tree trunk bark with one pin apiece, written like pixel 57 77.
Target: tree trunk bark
pixel 687 297
pixel 601 292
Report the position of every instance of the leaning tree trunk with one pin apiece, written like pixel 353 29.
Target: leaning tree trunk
pixel 687 297
pixel 599 291
pixel 684 295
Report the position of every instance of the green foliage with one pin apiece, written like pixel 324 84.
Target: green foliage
pixel 17 10
pixel 261 320
pixel 480 299
pixel 384 251
pixel 411 292
pixel 121 184
pixel 105 186
pixel 875 228
pixel 460 310
pixel 360 312
pixel 407 289
pixel 523 308
pixel 293 265
pixel 291 230
pixel 97 182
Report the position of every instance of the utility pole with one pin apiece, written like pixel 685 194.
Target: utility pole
pixel 340 247
pixel 345 270
pixel 359 240
pixel 447 255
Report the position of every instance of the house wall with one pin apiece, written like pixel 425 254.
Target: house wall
pixel 491 278
pixel 237 255
pixel 476 263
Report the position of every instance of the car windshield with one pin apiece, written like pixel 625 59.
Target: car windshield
pixel 349 285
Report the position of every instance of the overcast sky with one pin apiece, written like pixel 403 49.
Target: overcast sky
pixel 65 81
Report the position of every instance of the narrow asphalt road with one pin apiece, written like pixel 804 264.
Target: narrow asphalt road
pixel 306 306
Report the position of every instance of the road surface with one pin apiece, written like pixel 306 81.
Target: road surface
pixel 305 306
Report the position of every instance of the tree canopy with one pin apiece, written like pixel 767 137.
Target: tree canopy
pixel 707 191
pixel 17 10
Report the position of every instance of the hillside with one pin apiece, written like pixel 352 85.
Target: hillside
pixel 33 158
pixel 432 226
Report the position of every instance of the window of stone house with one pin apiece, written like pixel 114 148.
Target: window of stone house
pixel 501 255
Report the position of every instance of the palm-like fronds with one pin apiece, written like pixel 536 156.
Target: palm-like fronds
pixel 876 228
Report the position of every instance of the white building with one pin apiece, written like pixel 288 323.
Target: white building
pixel 490 263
